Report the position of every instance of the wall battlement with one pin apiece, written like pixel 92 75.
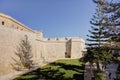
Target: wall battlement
pixel 65 39
pixel 56 39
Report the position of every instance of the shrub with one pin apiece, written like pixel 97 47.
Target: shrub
pixel 99 76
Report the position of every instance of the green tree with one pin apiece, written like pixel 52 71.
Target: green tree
pixel 97 37
pixel 112 21
pixel 112 9
pixel 24 55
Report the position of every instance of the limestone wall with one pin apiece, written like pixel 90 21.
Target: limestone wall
pixel 51 49
pixel 55 49
pixel 77 48
pixel 7 21
pixel 43 49
pixel 9 40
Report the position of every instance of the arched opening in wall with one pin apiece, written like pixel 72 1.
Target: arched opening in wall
pixel 17 27
pixel 3 23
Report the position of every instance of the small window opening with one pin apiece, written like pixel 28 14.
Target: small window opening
pixel 66 38
pixel 48 38
pixel 57 38
pixel 3 22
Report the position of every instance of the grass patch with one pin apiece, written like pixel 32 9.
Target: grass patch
pixel 65 69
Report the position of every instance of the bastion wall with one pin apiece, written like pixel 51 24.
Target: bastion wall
pixel 43 49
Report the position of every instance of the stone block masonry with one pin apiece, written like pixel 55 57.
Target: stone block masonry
pixel 43 49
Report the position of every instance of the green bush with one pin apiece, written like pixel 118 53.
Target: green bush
pixel 99 76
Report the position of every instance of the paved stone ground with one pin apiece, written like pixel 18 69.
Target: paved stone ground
pixel 111 68
pixel 11 75
pixel 88 72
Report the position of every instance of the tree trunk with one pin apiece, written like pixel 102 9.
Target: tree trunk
pixel 98 66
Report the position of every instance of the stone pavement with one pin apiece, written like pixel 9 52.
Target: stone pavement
pixel 111 68
pixel 88 72
pixel 11 75
pixel 14 74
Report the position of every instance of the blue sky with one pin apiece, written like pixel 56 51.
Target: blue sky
pixel 56 18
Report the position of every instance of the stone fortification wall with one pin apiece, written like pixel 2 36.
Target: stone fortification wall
pixel 11 34
pixel 63 39
pixel 43 49
pixel 63 47
pixel 51 48
pixel 77 48
pixel 55 49
pixel 7 21
pixel 9 40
